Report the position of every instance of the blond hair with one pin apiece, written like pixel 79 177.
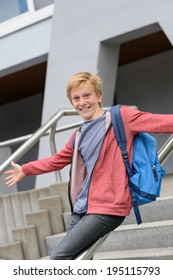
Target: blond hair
pixel 81 78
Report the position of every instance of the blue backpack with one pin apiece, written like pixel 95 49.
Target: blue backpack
pixel 146 173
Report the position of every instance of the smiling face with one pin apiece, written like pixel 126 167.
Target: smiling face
pixel 86 102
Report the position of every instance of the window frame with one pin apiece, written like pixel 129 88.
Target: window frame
pixel 26 19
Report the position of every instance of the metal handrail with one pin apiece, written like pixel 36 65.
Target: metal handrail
pixel 21 139
pixel 166 150
pixel 89 253
pixel 35 137
pixel 47 129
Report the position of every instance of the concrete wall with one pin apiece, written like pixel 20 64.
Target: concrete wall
pixel 148 84
pixel 19 50
pixel 18 118
pixel 86 37
pixel 25 47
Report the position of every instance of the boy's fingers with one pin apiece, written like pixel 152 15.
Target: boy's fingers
pixel 9 177
pixel 7 172
pixel 10 182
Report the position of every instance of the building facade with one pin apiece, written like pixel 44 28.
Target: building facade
pixel 25 32
pixel 127 42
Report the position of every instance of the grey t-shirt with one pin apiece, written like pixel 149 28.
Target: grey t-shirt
pixel 90 142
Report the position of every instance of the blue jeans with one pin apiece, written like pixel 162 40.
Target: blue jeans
pixel 84 231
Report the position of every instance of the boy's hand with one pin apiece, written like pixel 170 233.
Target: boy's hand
pixel 16 175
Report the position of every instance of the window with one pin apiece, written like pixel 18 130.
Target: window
pixel 38 4
pixel 12 8
pixel 18 14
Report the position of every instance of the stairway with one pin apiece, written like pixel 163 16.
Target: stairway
pixel 33 221
pixel 26 218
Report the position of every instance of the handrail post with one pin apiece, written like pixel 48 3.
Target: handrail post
pixel 54 150
pixel 166 150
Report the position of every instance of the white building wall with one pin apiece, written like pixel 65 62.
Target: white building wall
pixel 21 49
pixel 25 47
pixel 86 37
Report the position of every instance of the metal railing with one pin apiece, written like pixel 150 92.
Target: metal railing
pixel 166 150
pixel 32 139
pixel 49 128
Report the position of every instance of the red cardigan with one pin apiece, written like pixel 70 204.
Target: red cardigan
pixel 109 192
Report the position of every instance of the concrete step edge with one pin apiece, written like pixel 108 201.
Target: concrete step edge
pixel 164 197
pixel 145 225
pixel 151 253
pixel 127 227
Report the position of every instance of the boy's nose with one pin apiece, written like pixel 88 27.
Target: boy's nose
pixel 82 101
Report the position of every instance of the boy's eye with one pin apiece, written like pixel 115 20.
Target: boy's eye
pixel 87 95
pixel 75 98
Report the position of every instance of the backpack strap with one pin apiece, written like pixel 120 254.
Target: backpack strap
pixel 122 143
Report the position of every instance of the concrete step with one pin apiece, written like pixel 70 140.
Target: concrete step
pixel 35 195
pixel 11 251
pixel 61 189
pixel 28 237
pixel 13 208
pixel 165 253
pixel 52 240
pixel 167 186
pixel 54 206
pixel 159 210
pixel 3 231
pixel 9 216
pixel 147 235
pixel 40 219
pixel 130 237
pixel 66 216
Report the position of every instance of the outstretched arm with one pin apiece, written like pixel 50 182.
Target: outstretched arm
pixel 37 167
pixel 16 175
